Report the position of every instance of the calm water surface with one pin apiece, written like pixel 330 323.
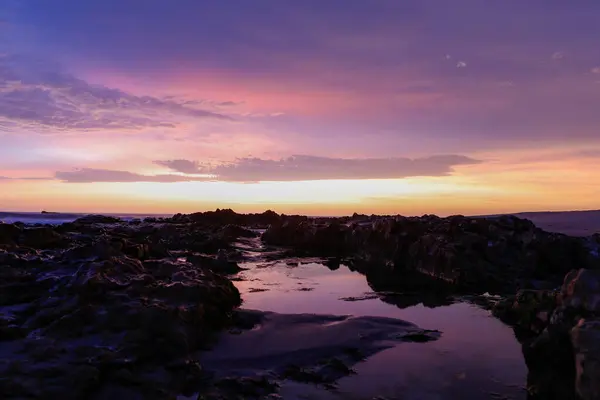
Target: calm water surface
pixel 477 356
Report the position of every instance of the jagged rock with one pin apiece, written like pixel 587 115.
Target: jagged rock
pixel 222 217
pixel 560 331
pixel 9 233
pixel 581 290
pixel 529 311
pixel 42 238
pixel 469 254
pixel 220 264
pixel 92 310
pixel 585 337
pixel 96 219
pixel 308 237
pixel 234 232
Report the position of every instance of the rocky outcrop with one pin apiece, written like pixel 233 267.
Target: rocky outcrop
pixel 469 254
pixel 105 309
pixel 9 233
pixel 308 237
pixel 585 338
pixel 38 237
pixel 560 332
pixel 96 219
pixel 222 217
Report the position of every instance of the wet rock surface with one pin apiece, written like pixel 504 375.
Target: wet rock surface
pixel 559 330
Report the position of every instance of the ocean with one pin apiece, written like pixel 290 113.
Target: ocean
pixel 60 218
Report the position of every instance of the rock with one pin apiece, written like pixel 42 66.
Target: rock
pixel 93 309
pixel 220 264
pixel 42 238
pixel 222 217
pixel 529 311
pixel 96 219
pixel 467 254
pixel 560 332
pixel 234 232
pixel 308 238
pixel 581 290
pixel 9 233
pixel 585 337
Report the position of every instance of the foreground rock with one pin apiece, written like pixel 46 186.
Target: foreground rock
pixel 86 312
pixel 560 331
pixel 465 254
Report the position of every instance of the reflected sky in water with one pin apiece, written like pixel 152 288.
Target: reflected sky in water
pixel 477 357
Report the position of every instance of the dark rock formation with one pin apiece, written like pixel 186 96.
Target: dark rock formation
pixel 560 332
pixel 467 254
pixel 9 233
pixel 100 308
pixel 222 217
pixel 96 219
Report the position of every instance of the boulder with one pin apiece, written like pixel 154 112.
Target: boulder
pixel 42 238
pixel 233 232
pixel 219 265
pixel 92 311
pixel 585 337
pixel 560 332
pixel 9 233
pixel 581 291
pixel 96 219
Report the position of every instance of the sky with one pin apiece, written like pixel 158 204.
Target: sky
pixel 312 107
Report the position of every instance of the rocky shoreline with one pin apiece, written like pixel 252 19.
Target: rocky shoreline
pixel 99 307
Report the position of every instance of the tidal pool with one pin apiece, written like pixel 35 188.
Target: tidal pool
pixel 477 356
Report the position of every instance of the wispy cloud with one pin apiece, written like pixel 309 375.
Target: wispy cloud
pixel 183 166
pixel 25 178
pixel 87 175
pixel 34 95
pixel 304 167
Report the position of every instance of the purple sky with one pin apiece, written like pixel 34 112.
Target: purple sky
pixel 468 91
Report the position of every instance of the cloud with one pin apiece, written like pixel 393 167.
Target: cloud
pixel 590 153
pixel 595 70
pixel 559 55
pixel 36 95
pixel 461 64
pixel 25 178
pixel 303 167
pixel 184 166
pixel 88 175
pixel 229 103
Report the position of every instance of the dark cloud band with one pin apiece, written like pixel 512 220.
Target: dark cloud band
pixel 294 168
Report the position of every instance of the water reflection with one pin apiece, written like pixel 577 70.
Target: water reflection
pixel 477 356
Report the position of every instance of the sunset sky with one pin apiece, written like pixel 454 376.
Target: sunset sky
pixel 322 107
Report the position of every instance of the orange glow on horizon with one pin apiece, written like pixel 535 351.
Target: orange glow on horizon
pixel 478 189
